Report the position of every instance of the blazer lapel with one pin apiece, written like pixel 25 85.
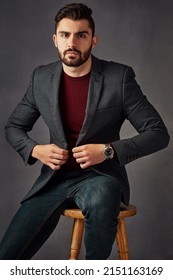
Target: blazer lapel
pixel 95 87
pixel 56 115
pixel 96 80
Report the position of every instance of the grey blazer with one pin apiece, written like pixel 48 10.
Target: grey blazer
pixel 113 96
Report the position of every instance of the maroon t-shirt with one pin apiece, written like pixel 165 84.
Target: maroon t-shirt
pixel 73 99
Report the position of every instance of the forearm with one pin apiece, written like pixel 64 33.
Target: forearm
pixel 21 143
pixel 144 144
pixel 152 132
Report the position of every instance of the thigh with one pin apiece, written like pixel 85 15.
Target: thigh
pixel 99 193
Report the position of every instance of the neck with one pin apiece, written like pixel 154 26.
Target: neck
pixel 79 71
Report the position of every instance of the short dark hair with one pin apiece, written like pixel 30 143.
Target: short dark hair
pixel 75 11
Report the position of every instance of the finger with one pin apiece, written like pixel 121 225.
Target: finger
pixel 54 166
pixel 59 157
pixel 58 161
pixel 78 149
pixel 84 165
pixel 58 150
pixel 81 160
pixel 78 155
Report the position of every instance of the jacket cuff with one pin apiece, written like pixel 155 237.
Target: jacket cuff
pixel 28 158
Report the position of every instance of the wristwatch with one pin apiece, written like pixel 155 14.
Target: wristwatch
pixel 108 151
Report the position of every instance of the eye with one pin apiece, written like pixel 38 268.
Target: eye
pixel 82 35
pixel 64 34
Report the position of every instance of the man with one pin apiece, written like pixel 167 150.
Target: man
pixel 84 102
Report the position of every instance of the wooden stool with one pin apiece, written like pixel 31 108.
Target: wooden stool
pixel 78 227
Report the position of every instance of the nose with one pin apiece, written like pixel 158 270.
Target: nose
pixel 72 41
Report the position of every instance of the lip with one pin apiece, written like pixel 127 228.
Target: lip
pixel 72 53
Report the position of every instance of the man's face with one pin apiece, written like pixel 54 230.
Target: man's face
pixel 74 41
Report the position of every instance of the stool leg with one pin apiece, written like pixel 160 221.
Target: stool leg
pixel 76 240
pixel 122 241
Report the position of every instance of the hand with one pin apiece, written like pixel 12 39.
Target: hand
pixel 51 155
pixel 89 154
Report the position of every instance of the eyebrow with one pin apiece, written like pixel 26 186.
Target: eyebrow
pixel 77 33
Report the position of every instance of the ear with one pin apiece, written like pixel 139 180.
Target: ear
pixel 94 41
pixel 55 40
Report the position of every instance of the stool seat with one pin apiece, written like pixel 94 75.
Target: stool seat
pixel 78 228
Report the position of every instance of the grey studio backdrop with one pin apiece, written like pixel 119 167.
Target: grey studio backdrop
pixel 135 32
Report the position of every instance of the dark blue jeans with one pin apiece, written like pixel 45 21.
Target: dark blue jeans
pixel 99 198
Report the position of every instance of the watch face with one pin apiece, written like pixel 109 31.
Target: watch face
pixel 109 152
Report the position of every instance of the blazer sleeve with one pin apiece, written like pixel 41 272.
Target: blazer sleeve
pixel 21 122
pixel 152 132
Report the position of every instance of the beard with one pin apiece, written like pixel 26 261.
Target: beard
pixel 74 61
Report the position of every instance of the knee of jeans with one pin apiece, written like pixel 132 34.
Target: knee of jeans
pixel 103 207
